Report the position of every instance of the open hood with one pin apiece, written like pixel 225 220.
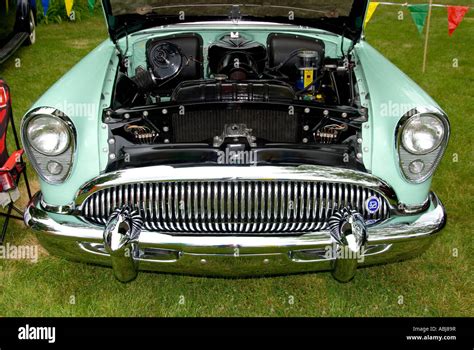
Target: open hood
pixel 343 17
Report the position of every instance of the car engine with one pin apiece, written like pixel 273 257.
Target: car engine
pixel 285 100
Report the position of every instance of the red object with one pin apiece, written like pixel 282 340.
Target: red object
pixel 6 182
pixel 455 16
pixel 3 96
pixel 3 135
pixel 5 115
pixel 14 158
pixel 10 171
pixel 11 165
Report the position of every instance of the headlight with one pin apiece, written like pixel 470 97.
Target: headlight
pixel 49 140
pixel 421 141
pixel 48 135
pixel 422 134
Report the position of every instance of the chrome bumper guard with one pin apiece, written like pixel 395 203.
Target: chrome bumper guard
pixel 398 238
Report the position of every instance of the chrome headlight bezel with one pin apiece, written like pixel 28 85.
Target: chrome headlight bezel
pixel 423 120
pixel 39 159
pixel 430 159
pixel 60 123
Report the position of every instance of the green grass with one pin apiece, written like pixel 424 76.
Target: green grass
pixel 435 284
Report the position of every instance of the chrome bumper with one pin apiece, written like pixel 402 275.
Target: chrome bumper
pixel 398 238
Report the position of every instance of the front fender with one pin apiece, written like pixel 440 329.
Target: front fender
pixel 80 95
pixel 391 94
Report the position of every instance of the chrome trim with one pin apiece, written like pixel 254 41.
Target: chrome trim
pixel 241 197
pixel 164 174
pixel 394 240
pixel 232 205
pixel 121 235
pixel 414 209
pixel 349 233
pixel 57 209
pixel 438 153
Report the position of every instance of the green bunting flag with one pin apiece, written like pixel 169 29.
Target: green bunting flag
pixel 419 13
pixel 91 5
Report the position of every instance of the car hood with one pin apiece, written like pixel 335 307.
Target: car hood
pixel 343 17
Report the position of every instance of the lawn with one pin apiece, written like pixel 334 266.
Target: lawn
pixel 439 283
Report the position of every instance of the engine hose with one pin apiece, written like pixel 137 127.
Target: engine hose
pixel 145 80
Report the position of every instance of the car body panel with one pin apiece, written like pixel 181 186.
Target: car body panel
pixel 78 95
pixel 7 20
pixel 391 95
pixel 14 20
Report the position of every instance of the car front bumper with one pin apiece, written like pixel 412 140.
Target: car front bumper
pixel 398 238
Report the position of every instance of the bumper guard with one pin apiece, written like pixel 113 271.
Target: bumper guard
pixel 398 238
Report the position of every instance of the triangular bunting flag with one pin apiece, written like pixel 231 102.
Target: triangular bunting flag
pixel 419 13
pixel 91 5
pixel 370 11
pixel 45 4
pixel 69 4
pixel 455 16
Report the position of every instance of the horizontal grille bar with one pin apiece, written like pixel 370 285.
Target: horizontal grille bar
pixel 218 207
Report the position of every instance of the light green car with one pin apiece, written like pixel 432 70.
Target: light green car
pixel 235 140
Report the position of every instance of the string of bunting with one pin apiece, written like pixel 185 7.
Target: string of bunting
pixel 419 13
pixel 68 3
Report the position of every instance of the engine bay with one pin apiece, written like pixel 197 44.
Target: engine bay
pixel 285 99
pixel 288 67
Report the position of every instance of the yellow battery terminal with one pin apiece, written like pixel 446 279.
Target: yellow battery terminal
pixel 308 77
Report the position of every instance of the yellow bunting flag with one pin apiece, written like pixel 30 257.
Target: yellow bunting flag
pixel 69 4
pixel 370 12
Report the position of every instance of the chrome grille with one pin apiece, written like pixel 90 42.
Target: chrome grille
pixel 259 206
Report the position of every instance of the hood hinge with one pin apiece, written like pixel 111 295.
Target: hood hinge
pixel 235 15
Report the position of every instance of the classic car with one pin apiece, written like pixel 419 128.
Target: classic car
pixel 235 140
pixel 17 26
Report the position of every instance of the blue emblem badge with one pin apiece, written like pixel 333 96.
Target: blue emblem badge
pixel 372 204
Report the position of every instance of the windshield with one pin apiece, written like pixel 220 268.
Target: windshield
pixel 255 8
